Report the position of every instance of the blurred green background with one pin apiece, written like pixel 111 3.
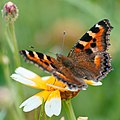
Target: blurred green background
pixel 41 24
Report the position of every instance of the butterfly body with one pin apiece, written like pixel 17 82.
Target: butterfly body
pixel 88 59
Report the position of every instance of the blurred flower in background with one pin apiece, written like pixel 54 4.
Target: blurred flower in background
pixel 5 97
pixel 6 101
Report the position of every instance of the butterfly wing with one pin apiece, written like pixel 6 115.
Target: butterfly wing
pixel 54 67
pixel 90 51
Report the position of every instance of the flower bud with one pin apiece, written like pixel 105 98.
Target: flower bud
pixel 10 12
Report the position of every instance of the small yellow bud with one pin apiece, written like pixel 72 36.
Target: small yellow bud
pixel 10 12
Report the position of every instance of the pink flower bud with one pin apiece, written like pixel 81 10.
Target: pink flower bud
pixel 10 12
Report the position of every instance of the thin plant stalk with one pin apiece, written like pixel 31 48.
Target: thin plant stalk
pixel 36 114
pixel 69 109
pixel 11 33
pixel 41 115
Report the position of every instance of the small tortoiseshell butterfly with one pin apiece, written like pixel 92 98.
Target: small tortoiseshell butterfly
pixel 88 59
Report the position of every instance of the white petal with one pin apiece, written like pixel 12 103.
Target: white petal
pixel 31 103
pixel 91 82
pixel 29 78
pixel 53 105
pixel 97 83
pixel 25 73
pixel 22 80
pixel 82 118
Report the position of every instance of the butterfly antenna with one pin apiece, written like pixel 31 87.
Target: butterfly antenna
pixel 63 41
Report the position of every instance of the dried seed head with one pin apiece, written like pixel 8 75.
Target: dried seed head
pixel 10 12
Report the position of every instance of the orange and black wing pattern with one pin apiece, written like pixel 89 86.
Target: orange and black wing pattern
pixel 94 45
pixel 51 65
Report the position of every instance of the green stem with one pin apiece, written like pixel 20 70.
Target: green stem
pixel 36 114
pixel 69 109
pixel 41 110
pixel 9 42
pixel 15 89
pixel 11 30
